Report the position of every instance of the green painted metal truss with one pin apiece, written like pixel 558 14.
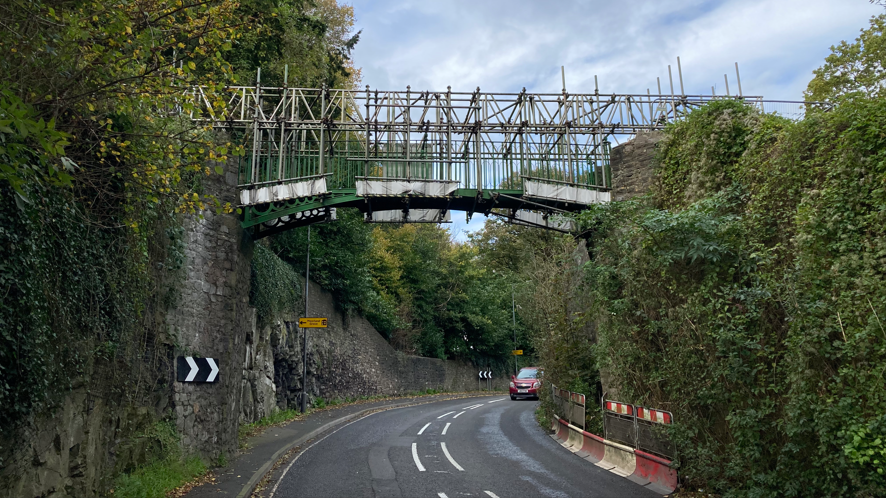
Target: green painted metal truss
pixel 406 156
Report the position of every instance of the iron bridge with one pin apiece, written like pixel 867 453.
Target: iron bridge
pixel 414 156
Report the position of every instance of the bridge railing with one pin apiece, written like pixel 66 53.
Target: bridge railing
pixel 481 140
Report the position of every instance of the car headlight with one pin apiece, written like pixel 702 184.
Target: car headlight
pixel 513 385
pixel 535 386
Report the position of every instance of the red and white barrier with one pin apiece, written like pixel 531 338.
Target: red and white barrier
pixel 645 469
pixel 622 408
pixel 654 472
pixel 657 416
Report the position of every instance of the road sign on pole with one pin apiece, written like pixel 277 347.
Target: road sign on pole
pixel 313 323
pixel 518 352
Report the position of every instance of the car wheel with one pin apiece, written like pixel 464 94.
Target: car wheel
pixel 513 397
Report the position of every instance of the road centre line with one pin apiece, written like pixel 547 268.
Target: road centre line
pixel 446 428
pixel 472 407
pixel 491 494
pixel 442 495
pixel 418 464
pixel 496 401
pixel 423 428
pixel 446 452
pixel 441 416
pixel 455 417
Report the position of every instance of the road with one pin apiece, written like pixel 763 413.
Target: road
pixel 487 447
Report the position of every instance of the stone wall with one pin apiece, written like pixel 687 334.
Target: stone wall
pixel 351 359
pixel 632 166
pixel 213 319
pixel 77 450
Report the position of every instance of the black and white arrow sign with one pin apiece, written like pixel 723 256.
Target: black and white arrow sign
pixel 485 374
pixel 192 369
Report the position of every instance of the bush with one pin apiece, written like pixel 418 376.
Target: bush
pixel 751 306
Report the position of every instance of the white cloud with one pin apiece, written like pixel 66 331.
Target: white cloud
pixel 505 45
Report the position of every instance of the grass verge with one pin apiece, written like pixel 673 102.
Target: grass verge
pixel 159 478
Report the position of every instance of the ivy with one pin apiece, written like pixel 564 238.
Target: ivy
pixel 745 294
pixel 275 288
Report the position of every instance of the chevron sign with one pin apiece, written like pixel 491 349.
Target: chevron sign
pixel 190 369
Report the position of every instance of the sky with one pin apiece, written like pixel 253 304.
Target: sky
pixel 505 45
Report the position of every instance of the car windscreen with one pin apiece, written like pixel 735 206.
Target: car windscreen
pixel 526 374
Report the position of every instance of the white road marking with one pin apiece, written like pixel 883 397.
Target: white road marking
pixel 472 407
pixel 496 401
pixel 491 494
pixel 418 464
pixel 442 495
pixel 455 417
pixel 423 428
pixel 446 428
pixel 441 416
pixel 446 452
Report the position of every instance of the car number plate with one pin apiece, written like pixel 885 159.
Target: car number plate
pixel 522 390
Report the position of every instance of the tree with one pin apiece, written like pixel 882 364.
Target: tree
pixel 312 37
pixel 853 68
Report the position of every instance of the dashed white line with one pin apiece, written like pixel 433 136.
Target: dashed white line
pixel 472 407
pixel 441 416
pixel 421 468
pixel 446 452
pixel 423 428
pixel 446 428
pixel 442 495
pixel 455 417
pixel 491 494
pixel 496 401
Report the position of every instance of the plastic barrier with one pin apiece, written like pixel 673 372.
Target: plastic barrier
pixel 643 468
pixel 593 447
pixel 654 472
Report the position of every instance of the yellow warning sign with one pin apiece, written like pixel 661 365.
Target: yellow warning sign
pixel 312 323
pixel 518 352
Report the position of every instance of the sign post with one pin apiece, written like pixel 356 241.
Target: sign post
pixel 304 343
pixel 514 319
pixel 517 352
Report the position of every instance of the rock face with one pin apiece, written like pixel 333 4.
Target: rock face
pixel 258 395
pixel 632 166
pixel 351 359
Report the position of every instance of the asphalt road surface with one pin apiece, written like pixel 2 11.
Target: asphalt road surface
pixel 487 447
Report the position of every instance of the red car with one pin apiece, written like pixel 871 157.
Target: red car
pixel 526 383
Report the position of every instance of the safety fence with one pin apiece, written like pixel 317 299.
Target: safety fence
pixel 571 405
pixel 638 427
